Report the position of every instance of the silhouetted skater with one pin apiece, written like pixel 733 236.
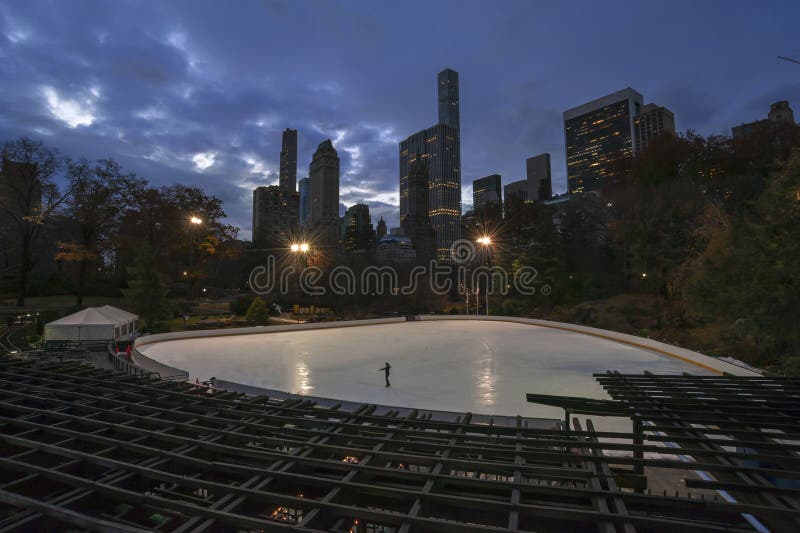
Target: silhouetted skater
pixel 387 369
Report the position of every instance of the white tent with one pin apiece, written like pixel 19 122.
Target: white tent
pixel 93 324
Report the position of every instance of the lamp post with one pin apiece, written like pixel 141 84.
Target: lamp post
pixel 194 223
pixel 486 243
pixel 300 251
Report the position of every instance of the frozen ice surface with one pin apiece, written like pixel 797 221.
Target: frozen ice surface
pixel 476 366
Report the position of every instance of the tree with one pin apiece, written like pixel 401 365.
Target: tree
pixel 258 313
pixel 28 199
pixel 210 239
pixel 747 274
pixel 146 291
pixel 98 200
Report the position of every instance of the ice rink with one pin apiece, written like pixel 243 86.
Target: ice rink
pixel 482 367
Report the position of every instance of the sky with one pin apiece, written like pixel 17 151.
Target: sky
pixel 198 92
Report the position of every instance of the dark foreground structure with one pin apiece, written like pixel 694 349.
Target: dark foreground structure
pixel 85 448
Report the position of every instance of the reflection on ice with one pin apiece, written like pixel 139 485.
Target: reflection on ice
pixel 303 379
pixel 486 379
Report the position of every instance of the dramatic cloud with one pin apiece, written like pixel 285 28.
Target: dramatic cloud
pixel 199 91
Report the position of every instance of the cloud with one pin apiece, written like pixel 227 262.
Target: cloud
pixel 204 160
pixel 199 93
pixel 73 113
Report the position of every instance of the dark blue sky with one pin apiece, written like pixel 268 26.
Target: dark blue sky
pixel 198 92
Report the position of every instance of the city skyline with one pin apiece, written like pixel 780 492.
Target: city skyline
pixel 175 102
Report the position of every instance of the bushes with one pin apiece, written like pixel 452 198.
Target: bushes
pixel 258 312
pixel 242 304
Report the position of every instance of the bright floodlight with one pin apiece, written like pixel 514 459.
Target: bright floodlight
pixel 304 247
pixel 295 247
pixel 486 241
pixel 195 220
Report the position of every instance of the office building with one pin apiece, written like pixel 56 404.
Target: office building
pixel 440 148
pixel 381 229
pixel 540 183
pixel 357 230
pixel 395 231
pixel 516 191
pixel 597 135
pixel 448 98
pixel 417 222
pixel 276 215
pixel 304 186
pixel 395 249
pixel 324 175
pixel 288 169
pixel 653 120
pixel 780 115
pixel 486 191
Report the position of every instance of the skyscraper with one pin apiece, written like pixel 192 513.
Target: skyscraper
pixel 486 191
pixel 288 170
pixel 540 183
pixel 517 190
pixel 275 215
pixel 597 134
pixel 304 186
pixel 440 149
pixel 324 175
pixel 448 98
pixel 381 229
pixel 358 233
pixel 653 120
pixel 417 223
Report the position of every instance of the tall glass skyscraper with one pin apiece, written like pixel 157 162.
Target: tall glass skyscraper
pixel 597 134
pixel 324 175
pixel 288 170
pixel 487 191
pixel 540 183
pixel 448 98
pixel 439 147
pixel 304 186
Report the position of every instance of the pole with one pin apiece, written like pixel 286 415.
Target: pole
pixel 189 272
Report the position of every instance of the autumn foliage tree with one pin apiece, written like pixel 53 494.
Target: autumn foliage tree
pixel 99 198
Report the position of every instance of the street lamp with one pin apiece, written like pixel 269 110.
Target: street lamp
pixel 194 221
pixel 486 242
pixel 300 247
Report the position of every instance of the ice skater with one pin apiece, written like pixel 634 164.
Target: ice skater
pixel 387 369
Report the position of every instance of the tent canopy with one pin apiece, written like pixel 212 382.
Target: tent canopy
pixel 104 323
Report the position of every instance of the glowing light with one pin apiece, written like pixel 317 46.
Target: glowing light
pixel 304 247
pixel 295 247
pixel 485 240
pixel 195 220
